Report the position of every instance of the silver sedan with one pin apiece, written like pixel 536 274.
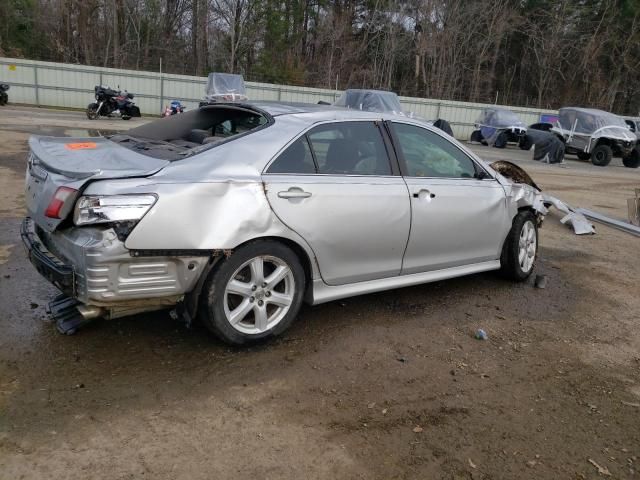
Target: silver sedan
pixel 237 213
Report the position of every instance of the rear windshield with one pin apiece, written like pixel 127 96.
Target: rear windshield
pixel 183 135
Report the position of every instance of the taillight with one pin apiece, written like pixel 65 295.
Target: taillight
pixel 57 202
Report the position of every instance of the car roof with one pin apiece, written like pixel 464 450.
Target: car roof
pixel 316 112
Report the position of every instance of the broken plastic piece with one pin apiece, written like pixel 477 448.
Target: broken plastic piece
pixel 581 225
pixel 63 310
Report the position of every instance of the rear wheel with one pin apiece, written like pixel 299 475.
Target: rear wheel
pixel 601 155
pixel 584 155
pixel 520 248
pixel 92 111
pixel 4 99
pixel 633 159
pixel 254 294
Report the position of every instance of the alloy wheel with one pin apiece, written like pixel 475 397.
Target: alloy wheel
pixel 527 245
pixel 259 294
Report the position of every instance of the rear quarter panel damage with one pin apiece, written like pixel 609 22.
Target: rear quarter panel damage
pixel 209 216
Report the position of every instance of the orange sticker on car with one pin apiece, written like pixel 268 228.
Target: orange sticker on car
pixel 80 146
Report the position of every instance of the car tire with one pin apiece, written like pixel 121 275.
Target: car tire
pixel 476 136
pixel 584 155
pixel 633 159
pixel 92 111
pixel 525 143
pixel 501 140
pixel 601 155
pixel 520 249
pixel 126 117
pixel 239 306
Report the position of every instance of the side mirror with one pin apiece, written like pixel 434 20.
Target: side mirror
pixel 481 175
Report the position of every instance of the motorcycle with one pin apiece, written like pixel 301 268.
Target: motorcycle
pixel 4 98
pixel 111 102
pixel 174 109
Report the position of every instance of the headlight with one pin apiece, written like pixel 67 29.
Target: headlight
pixel 92 209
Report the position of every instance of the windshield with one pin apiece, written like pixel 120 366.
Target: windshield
pixel 588 120
pixel 498 117
pixel 370 101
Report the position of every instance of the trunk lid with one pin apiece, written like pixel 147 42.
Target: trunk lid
pixel 55 162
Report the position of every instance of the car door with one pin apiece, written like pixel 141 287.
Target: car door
pixel 458 212
pixel 335 186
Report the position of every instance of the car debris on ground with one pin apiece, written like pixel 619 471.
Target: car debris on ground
pixel 573 217
pixel 611 222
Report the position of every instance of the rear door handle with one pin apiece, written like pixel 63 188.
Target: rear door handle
pixel 423 193
pixel 294 192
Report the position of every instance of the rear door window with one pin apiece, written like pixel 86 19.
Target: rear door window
pixel 349 148
pixel 296 158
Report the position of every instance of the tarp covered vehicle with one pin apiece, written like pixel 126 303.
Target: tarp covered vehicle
pixel 224 87
pixel 597 135
pixel 370 101
pixel 498 126
pixel 384 102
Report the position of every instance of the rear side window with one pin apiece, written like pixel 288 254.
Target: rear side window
pixel 296 158
pixel 345 148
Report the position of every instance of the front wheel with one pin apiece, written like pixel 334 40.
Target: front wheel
pixel 633 159
pixel 501 140
pixel 601 155
pixel 520 248
pixel 92 111
pixel 254 294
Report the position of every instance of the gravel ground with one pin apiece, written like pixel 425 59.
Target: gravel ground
pixel 385 386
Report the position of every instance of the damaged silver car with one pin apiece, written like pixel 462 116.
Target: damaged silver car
pixel 237 213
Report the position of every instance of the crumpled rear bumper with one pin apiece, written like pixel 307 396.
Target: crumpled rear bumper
pixel 93 266
pixel 59 273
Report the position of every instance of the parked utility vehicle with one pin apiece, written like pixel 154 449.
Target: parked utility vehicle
pixel 497 126
pixel 597 135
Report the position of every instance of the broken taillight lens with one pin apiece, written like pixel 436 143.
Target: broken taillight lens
pixel 57 202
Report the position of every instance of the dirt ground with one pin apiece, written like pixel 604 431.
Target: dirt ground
pixel 384 386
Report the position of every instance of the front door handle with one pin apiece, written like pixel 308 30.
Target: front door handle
pixel 294 192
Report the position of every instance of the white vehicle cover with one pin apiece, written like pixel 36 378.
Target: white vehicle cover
pixel 370 101
pixel 594 123
pixel 495 117
pixel 226 87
